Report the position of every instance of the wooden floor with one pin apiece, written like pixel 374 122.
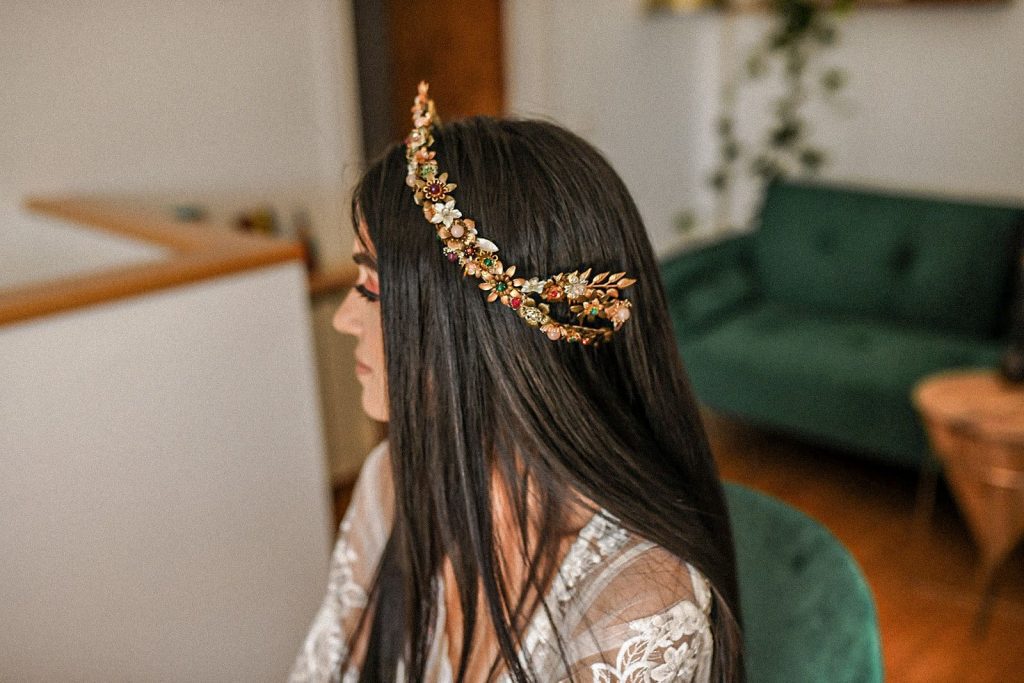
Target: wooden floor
pixel 924 584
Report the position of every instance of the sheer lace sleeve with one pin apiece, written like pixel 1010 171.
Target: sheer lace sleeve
pixel 627 610
pixel 651 623
pixel 361 538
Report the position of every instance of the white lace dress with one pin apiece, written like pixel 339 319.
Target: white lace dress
pixel 627 609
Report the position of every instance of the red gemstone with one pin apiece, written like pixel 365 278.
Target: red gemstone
pixel 553 293
pixel 453 257
pixel 516 302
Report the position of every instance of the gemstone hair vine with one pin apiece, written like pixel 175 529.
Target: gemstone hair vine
pixel 591 300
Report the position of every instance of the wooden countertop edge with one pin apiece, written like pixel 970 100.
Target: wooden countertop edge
pixel 198 253
pixel 148 226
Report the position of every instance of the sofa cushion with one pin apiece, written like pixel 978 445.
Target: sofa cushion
pixel 932 263
pixel 706 284
pixel 711 298
pixel 847 382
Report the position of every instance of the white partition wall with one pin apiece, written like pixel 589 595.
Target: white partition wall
pixel 162 485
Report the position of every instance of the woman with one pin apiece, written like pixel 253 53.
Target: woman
pixel 545 507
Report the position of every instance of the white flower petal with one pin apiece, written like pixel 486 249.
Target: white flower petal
pixel 486 244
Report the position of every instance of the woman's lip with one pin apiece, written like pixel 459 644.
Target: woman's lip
pixel 362 368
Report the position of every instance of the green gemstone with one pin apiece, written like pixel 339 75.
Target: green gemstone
pixel 593 311
pixel 500 287
pixel 488 262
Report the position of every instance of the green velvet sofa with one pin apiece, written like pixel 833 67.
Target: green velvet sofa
pixel 820 321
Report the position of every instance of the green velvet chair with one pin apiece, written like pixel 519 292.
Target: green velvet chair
pixel 808 614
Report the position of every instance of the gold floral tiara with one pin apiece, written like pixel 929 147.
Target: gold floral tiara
pixel 590 299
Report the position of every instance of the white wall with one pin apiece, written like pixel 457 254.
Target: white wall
pixel 179 97
pixel 938 99
pixel 162 475
pixel 631 85
pixel 933 102
pixel 232 104
pixel 162 486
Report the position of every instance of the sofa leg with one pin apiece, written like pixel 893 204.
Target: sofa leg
pixel 924 504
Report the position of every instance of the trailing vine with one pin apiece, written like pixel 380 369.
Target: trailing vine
pixel 800 30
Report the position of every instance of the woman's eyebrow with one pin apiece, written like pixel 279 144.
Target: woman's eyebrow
pixel 364 259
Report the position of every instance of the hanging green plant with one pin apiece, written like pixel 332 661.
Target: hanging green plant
pixel 799 32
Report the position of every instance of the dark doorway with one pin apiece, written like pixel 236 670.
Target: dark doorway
pixel 455 45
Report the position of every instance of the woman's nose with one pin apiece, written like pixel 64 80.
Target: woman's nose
pixel 345 318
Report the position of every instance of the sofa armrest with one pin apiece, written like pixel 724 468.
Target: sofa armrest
pixel 707 284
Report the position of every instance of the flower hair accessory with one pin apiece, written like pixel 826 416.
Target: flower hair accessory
pixel 592 300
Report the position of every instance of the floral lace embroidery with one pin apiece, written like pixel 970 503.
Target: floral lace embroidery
pixel 325 645
pixel 598 539
pixel 673 645
pixel 582 558
pixel 669 646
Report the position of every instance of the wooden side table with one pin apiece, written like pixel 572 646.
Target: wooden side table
pixel 975 422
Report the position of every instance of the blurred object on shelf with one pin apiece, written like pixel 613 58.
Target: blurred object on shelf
pixel 262 221
pixel 189 213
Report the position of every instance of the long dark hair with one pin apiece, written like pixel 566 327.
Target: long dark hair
pixel 470 384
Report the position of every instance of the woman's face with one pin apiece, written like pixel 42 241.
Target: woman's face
pixel 359 315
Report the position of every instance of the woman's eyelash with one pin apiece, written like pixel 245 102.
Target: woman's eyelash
pixel 367 294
